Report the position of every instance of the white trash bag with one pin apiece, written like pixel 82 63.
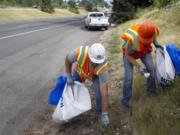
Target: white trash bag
pixel 75 100
pixel 165 70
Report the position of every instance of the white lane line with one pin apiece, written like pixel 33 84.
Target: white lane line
pixel 24 33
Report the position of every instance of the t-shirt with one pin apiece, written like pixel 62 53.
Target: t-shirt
pixel 103 76
pixel 128 47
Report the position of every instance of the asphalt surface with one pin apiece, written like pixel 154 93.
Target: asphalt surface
pixel 32 56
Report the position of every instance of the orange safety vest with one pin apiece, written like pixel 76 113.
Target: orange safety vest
pixel 137 46
pixel 82 64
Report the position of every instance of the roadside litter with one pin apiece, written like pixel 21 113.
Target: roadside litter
pixel 56 94
pixel 174 53
pixel 167 63
pixel 74 101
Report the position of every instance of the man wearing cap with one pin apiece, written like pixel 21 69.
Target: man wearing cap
pixel 91 63
pixel 137 45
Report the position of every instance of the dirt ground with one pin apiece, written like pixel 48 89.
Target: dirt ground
pixel 89 123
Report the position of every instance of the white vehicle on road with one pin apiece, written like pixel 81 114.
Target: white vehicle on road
pixel 96 19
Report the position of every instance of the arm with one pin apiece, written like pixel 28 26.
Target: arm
pixel 104 115
pixel 104 79
pixel 104 94
pixel 68 65
pixel 131 60
pixel 70 59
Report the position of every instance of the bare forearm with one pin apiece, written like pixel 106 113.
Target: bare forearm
pixel 104 94
pixel 131 60
pixel 68 65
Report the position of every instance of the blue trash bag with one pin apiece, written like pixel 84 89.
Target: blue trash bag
pixel 174 53
pixel 56 93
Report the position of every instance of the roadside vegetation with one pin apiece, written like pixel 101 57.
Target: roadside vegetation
pixel 49 6
pixel 125 10
pixel 159 115
pixel 32 9
pixel 13 13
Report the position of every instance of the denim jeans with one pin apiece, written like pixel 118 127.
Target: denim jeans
pixel 128 80
pixel 96 87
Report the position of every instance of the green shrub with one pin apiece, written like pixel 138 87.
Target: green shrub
pixel 4 2
pixel 73 7
pixel 123 11
pixel 160 3
pixel 74 10
pixel 89 6
pixel 47 6
pixel 64 5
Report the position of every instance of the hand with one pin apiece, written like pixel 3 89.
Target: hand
pixel 105 120
pixel 159 46
pixel 143 71
pixel 70 79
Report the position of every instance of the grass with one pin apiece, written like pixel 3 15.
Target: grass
pixel 158 115
pixel 7 14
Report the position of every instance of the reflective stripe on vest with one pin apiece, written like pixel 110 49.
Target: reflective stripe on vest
pixel 81 58
pixel 133 36
pixel 101 68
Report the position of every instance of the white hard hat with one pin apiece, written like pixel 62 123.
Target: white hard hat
pixel 97 53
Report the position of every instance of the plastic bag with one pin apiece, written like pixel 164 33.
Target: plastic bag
pixel 57 92
pixel 75 100
pixel 164 67
pixel 174 53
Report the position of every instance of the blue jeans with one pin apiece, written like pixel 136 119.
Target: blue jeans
pixel 128 80
pixel 96 87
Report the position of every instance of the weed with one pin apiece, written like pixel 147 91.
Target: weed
pixel 159 115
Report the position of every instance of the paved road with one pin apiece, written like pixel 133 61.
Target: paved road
pixel 32 56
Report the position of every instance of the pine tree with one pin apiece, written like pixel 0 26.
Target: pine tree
pixel 123 11
pixel 47 6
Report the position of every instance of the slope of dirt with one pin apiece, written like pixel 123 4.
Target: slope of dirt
pixel 89 123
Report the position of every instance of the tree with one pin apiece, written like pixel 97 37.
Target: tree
pixel 161 3
pixel 47 6
pixel 140 3
pixel 73 7
pixel 58 2
pixel 64 5
pixel 83 3
pixel 123 11
pixel 4 2
pixel 89 6
pixel 12 2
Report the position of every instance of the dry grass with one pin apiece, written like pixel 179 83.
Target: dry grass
pixel 7 14
pixel 154 115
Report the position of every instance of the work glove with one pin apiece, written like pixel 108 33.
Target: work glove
pixel 70 79
pixel 143 71
pixel 159 46
pixel 105 120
